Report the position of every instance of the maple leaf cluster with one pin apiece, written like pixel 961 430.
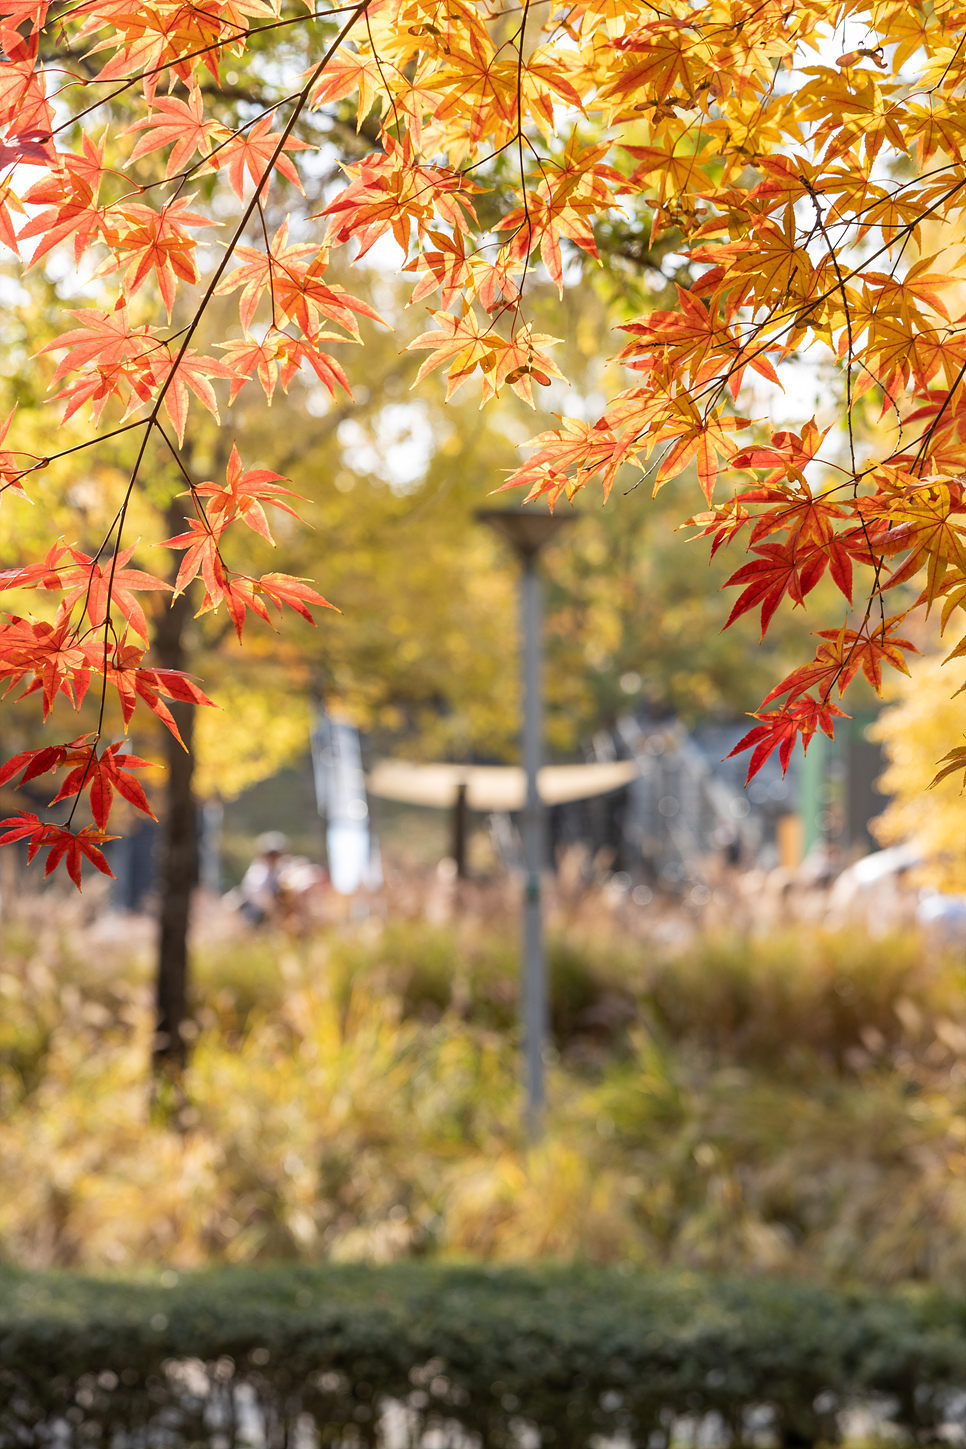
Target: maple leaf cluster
pixel 781 173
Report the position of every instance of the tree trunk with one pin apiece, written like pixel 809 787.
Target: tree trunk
pixel 460 832
pixel 179 846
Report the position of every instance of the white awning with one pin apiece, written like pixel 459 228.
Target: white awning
pixel 494 787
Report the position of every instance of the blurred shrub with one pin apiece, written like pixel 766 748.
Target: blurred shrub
pixel 782 1106
pixel 572 1355
pixel 797 998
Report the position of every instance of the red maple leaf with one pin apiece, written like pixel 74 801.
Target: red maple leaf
pixel 38 762
pixel 721 522
pixel 64 844
pixel 786 453
pixel 43 575
pixel 102 776
pixel 132 682
pixel 111 580
pixel 779 569
pixel 193 371
pixel 15 13
pixel 110 355
pixel 69 192
pixel 252 151
pixel 154 241
pixel 282 589
pixel 183 126
pixel 842 653
pixel 51 654
pixel 243 593
pixel 293 352
pixel 389 192
pixel 246 357
pixel 24 106
pixel 201 557
pixel 781 728
pixel 296 287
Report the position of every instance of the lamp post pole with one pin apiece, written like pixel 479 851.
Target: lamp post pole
pixel 534 981
pixel 528 529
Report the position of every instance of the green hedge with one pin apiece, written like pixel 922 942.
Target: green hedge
pixel 571 1352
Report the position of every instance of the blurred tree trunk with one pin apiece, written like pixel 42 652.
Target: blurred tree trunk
pixel 179 842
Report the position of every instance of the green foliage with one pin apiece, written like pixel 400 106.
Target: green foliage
pixel 573 1354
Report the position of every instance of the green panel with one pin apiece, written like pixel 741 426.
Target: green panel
pixel 812 803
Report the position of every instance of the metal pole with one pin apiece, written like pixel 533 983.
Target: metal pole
pixel 534 987
pixel 528 529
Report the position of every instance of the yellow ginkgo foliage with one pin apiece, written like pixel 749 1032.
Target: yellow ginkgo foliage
pixel 923 721
pixel 249 740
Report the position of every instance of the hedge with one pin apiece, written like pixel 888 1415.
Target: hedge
pixel 233 1356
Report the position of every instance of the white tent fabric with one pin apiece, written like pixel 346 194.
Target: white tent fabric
pixel 494 787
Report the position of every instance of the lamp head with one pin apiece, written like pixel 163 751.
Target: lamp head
pixel 526 528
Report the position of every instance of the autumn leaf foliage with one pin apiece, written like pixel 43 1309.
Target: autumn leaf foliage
pixel 814 194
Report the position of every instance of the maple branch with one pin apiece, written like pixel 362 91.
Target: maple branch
pixel 194 55
pixel 797 316
pixel 249 211
pixel 46 461
pixel 877 567
pixel 382 76
pixel 848 320
pixel 687 76
pixel 180 466
pixel 919 460
pixel 196 503
pixel 271 268
pixel 153 419
pixel 520 38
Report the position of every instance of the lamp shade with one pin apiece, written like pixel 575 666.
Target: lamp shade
pixel 526 529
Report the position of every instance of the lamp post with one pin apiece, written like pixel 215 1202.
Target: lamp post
pixel 527 530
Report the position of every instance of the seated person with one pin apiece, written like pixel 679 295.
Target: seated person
pixel 264 880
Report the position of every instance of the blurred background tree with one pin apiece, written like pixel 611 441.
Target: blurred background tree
pixel 914 731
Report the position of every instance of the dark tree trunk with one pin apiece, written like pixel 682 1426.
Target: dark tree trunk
pixel 460 823
pixel 179 845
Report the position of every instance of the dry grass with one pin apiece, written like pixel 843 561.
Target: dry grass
pixel 790 1103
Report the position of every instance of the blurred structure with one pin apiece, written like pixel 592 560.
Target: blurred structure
pixel 687 812
pixel 134 861
pixel 340 795
pixel 652 802
pixel 490 789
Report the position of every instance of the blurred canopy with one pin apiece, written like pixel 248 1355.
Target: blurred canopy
pixel 914 731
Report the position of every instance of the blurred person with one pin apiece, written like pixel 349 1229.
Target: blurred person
pixel 263 884
pixel 277 885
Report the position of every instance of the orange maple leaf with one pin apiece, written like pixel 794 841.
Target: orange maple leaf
pixel 243 494
pixel 144 241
